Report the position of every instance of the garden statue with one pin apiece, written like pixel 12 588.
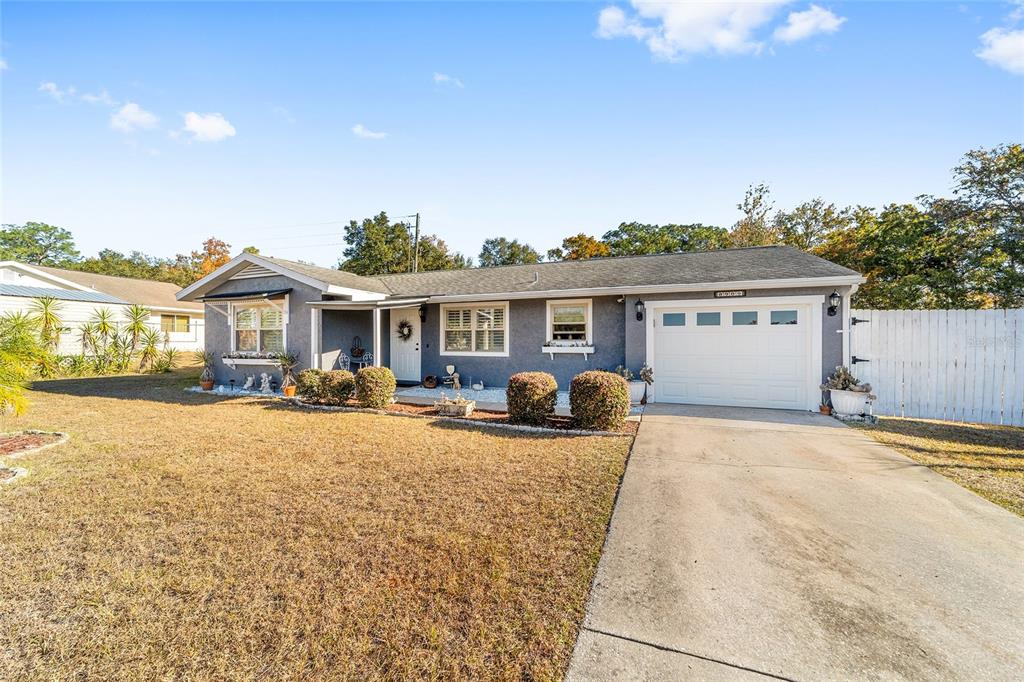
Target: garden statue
pixel 456 384
pixel 249 381
pixel 265 383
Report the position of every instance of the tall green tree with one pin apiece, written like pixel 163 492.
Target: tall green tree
pixel 990 184
pixel 638 239
pixel 38 243
pixel 377 246
pixel 807 225
pixel 501 251
pixel 755 228
pixel 579 247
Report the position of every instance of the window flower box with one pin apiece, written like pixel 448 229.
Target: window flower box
pixel 563 348
pixel 237 358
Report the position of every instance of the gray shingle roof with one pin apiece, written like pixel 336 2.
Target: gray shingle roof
pixel 330 276
pixel 704 267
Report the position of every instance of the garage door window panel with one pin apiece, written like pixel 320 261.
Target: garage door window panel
pixel 709 319
pixel 744 318
pixel 784 317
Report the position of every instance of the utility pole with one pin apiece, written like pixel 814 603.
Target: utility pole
pixel 416 246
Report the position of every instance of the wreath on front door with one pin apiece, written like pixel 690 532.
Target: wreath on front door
pixel 405 330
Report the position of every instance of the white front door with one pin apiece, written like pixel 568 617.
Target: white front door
pixel 749 354
pixel 405 352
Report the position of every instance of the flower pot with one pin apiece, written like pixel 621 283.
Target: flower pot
pixel 289 391
pixel 824 409
pixel 849 402
pixel 637 389
pixel 206 385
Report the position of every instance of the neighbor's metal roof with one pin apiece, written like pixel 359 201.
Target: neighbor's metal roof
pixel 61 294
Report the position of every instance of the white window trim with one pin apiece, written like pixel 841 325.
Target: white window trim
pixel 588 306
pixel 262 303
pixel 191 323
pixel 472 353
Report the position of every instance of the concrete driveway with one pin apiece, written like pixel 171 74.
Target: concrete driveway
pixel 752 543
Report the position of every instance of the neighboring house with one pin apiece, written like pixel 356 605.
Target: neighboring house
pixel 81 294
pixel 733 327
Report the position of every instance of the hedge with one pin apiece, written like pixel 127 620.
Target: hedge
pixel 531 397
pixel 599 400
pixel 375 387
pixel 309 385
pixel 326 388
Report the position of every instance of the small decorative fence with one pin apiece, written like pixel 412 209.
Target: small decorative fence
pixel 957 365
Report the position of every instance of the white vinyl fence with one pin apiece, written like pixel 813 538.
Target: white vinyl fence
pixel 958 365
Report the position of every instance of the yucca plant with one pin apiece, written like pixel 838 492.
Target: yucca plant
pixel 167 361
pixel 137 317
pixel 205 357
pixel 19 351
pixel 120 352
pixel 149 348
pixel 45 312
pixel 87 335
pixel 47 364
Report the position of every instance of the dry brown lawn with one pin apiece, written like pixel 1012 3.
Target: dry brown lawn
pixel 984 458
pixel 183 536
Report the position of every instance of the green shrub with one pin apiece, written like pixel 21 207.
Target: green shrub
pixel 599 400
pixel 531 397
pixel 310 385
pixel 375 387
pixel 337 386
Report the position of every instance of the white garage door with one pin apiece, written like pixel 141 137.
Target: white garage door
pixel 747 355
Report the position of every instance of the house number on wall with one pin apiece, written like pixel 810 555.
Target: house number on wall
pixel 738 293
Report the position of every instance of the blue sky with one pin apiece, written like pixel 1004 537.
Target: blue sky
pixel 153 126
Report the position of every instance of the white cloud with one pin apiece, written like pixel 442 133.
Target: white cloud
pixel 672 30
pixel 51 89
pixel 208 127
pixel 132 117
pixel 1004 48
pixel 801 25
pixel 445 79
pixel 102 97
pixel 3 65
pixel 359 130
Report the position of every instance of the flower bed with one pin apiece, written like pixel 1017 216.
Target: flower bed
pixel 23 442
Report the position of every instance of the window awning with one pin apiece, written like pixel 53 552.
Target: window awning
pixel 245 295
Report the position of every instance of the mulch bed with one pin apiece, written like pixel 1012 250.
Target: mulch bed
pixel 12 443
pixel 7 474
pixel 563 423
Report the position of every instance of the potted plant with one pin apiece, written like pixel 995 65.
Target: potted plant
pixel 457 407
pixel 847 394
pixel 637 387
pixel 206 379
pixel 289 361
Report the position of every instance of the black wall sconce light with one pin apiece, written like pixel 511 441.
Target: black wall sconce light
pixel 834 300
pixel 423 313
pixel 639 310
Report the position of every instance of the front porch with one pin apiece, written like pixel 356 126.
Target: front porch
pixel 355 334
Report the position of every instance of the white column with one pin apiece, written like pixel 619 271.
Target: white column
pixel 315 333
pixel 376 337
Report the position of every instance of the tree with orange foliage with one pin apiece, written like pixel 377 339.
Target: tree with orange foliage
pixel 579 247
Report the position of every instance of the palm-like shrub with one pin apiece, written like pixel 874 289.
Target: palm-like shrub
pixel 149 348
pixel 205 358
pixel 19 351
pixel 599 400
pixel 46 314
pixel 136 317
pixel 167 360
pixel 531 397
pixel 375 387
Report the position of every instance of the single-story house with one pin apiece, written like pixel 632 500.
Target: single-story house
pixel 749 327
pixel 81 294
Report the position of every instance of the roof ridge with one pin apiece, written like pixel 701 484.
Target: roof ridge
pixel 595 258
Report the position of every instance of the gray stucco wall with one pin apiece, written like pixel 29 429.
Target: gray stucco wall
pixel 831 340
pixel 527 333
pixel 218 330
pixel 339 329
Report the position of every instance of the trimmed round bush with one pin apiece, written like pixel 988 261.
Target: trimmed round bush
pixel 531 397
pixel 599 400
pixel 309 385
pixel 375 387
pixel 337 386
